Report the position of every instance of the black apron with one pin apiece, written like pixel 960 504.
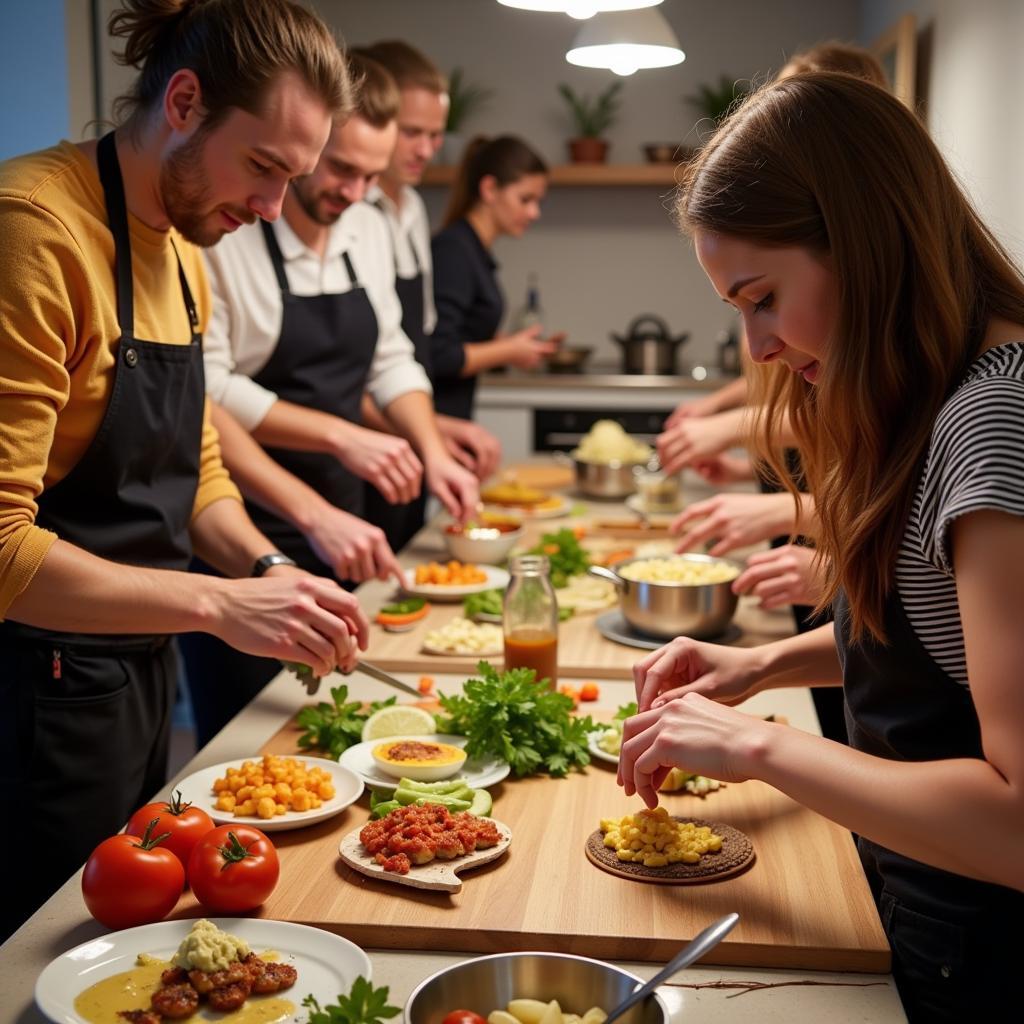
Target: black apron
pixel 86 722
pixel 400 523
pixel 957 942
pixel 321 361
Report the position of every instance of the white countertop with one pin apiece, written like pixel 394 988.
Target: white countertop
pixel 837 998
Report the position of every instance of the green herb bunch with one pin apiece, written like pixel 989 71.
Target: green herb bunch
pixel 363 1005
pixel 565 555
pixel 593 116
pixel 464 99
pixel 512 716
pixel 336 726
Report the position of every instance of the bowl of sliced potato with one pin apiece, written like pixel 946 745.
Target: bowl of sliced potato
pixel 531 988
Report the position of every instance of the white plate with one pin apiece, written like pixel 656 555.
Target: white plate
pixel 596 751
pixel 636 503
pixel 479 773
pixel 198 790
pixel 327 963
pixel 531 512
pixel 497 579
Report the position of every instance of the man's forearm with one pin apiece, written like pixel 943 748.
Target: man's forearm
pixel 413 416
pixel 297 428
pixel 374 418
pixel 74 591
pixel 224 536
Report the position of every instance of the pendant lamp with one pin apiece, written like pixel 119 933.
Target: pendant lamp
pixel 579 9
pixel 625 42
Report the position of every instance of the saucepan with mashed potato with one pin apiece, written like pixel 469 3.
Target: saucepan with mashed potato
pixel 675 595
pixel 605 461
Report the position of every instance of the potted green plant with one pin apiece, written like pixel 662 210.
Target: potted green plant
pixel 464 98
pixel 714 101
pixel 592 117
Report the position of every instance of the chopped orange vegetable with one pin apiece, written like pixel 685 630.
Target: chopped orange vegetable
pixel 451 574
pixel 589 691
pixel 426 685
pixel 570 691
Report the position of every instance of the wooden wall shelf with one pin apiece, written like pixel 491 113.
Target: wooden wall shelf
pixel 615 175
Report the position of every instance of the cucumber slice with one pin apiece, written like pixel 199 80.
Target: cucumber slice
pixel 482 803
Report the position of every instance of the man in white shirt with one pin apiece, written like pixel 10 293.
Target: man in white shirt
pixel 422 114
pixel 305 320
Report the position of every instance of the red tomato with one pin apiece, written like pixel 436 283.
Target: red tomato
pixel 185 824
pixel 463 1017
pixel 233 868
pixel 129 881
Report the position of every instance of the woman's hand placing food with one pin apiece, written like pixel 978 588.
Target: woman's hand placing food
pixel 726 674
pixel 691 732
pixel 781 576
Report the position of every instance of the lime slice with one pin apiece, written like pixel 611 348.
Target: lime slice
pixel 398 720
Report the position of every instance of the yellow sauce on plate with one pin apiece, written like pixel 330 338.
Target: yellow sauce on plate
pixel 131 990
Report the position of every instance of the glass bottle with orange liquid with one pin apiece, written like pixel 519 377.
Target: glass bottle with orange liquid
pixel 531 618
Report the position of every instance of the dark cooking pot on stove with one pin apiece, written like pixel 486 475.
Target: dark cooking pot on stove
pixel 648 347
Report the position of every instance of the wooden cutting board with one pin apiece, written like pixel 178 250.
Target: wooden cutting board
pixel 804 903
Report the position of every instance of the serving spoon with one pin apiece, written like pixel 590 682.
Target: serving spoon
pixel 694 950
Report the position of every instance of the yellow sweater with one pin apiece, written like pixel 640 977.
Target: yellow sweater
pixel 58 331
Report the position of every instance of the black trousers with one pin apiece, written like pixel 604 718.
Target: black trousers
pixel 84 738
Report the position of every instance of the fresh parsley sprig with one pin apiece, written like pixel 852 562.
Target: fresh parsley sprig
pixel 336 726
pixel 512 716
pixel 363 1005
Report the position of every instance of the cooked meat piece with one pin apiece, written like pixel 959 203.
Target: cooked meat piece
pixel 228 997
pixel 205 982
pixel 274 977
pixel 176 1001
pixel 174 976
pixel 140 1016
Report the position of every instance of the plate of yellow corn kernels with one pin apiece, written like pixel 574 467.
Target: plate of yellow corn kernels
pixel 272 792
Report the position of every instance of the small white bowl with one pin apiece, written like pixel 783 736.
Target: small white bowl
pixel 420 770
pixel 481 544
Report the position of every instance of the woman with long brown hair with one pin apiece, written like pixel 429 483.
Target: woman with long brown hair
pixel 498 191
pixel 888 323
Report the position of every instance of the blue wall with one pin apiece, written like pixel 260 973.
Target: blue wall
pixel 33 75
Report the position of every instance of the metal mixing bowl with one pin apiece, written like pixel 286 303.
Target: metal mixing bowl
pixel 668 610
pixel 605 479
pixel 490 982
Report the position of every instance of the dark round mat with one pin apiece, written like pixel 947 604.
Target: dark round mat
pixel 735 856
pixel 613 626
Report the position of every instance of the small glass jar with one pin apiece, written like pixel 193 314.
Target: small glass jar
pixel 530 618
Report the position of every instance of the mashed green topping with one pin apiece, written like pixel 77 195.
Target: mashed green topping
pixel 207 948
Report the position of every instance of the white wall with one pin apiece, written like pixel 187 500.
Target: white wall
pixel 603 255
pixel 975 96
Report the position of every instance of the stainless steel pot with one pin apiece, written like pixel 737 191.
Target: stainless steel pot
pixel 668 610
pixel 648 347
pixel 488 983
pixel 605 479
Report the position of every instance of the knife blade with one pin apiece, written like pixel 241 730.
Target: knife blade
pixel 381 676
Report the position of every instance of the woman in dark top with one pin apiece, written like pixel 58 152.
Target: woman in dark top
pixel 498 192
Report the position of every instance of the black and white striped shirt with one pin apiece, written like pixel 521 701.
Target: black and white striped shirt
pixel 975 461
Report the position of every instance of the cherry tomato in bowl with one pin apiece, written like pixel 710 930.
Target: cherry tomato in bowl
pixel 130 880
pixel 184 823
pixel 463 1017
pixel 233 868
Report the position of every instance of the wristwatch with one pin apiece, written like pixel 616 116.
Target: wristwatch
pixel 261 565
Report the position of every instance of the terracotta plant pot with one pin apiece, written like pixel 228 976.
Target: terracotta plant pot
pixel 588 151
